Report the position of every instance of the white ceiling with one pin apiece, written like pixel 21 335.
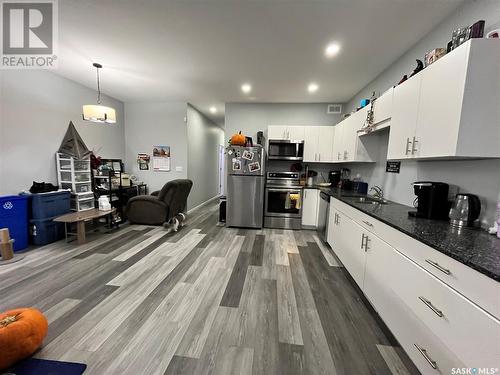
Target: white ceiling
pixel 201 51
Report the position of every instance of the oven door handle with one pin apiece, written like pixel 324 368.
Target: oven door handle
pixel 278 190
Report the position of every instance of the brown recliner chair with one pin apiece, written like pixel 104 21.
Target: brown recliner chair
pixel 161 206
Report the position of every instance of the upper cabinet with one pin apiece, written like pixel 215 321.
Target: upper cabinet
pixel 277 132
pixel 348 147
pixel 404 119
pixel 382 108
pixel 295 133
pixel 318 143
pixel 451 108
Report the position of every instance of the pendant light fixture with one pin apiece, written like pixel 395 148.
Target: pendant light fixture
pixel 99 113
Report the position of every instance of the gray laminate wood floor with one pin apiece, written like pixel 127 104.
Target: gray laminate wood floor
pixel 204 300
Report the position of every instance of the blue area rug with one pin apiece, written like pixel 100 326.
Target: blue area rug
pixel 34 366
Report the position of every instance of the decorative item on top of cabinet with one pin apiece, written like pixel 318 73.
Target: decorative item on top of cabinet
pixel 420 67
pixel 379 114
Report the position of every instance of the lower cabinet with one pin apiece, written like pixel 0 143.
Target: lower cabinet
pixel 347 241
pixel 439 328
pixel 310 203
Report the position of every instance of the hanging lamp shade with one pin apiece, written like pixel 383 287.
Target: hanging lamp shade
pixel 98 112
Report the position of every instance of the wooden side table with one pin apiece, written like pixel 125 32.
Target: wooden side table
pixel 79 218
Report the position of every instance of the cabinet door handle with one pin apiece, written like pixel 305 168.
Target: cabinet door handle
pixel 345 155
pixel 362 241
pixel 319 157
pixel 426 356
pixel 413 148
pixel 431 306
pixel 408 142
pixel 338 156
pixel 368 223
pixel 438 266
pixel 366 243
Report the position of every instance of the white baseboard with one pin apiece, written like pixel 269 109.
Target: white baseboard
pixel 203 204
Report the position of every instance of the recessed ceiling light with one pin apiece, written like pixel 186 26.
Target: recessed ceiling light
pixel 213 110
pixel 332 49
pixel 246 88
pixel 313 87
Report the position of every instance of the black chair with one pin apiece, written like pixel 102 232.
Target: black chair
pixel 161 206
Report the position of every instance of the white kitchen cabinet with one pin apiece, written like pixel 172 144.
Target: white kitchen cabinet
pixel 331 227
pixel 453 111
pixel 311 135
pixel 439 328
pixel 338 149
pixel 347 145
pixel 347 240
pixel 325 144
pixel 383 273
pixel 318 144
pixel 404 118
pixel 310 205
pixel 296 133
pixel 382 107
pixel 277 132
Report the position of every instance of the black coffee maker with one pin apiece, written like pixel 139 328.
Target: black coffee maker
pixel 334 178
pixel 431 201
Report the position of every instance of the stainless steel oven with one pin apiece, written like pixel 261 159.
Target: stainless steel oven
pixel 284 149
pixel 283 200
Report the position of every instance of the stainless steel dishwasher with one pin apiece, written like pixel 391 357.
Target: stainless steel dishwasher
pixel 324 208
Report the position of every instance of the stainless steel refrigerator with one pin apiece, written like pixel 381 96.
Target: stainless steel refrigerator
pixel 245 186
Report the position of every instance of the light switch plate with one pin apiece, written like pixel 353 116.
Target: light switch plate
pixel 178 169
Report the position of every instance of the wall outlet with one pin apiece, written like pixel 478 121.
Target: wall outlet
pixel 178 169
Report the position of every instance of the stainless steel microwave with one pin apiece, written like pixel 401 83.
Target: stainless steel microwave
pixel 285 149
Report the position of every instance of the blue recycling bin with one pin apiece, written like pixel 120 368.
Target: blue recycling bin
pixel 14 216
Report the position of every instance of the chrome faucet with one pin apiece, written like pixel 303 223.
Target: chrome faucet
pixel 378 192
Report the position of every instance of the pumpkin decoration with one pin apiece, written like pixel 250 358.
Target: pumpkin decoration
pixel 238 140
pixel 21 334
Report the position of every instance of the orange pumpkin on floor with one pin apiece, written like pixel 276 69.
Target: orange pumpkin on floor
pixel 238 140
pixel 21 334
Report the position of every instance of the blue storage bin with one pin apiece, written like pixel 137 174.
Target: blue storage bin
pixel 14 216
pixel 48 205
pixel 45 231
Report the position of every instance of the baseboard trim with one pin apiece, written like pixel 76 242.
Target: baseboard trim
pixel 203 204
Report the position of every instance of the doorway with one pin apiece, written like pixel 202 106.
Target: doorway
pixel 221 153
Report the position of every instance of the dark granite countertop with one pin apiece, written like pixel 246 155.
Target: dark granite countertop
pixel 473 247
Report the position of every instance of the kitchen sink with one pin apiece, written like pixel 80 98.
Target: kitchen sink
pixel 370 200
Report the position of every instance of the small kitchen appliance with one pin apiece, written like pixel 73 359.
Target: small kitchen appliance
pixel 334 178
pixel 345 182
pixel 465 210
pixel 431 201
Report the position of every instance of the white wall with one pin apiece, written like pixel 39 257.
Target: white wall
pixel 470 12
pixel 204 138
pixel 156 123
pixel 481 177
pixel 253 117
pixel 36 108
